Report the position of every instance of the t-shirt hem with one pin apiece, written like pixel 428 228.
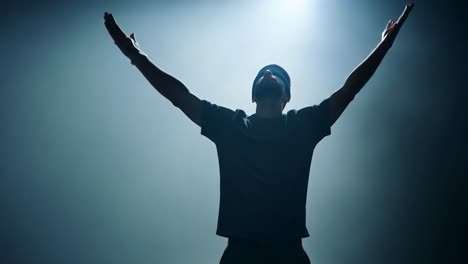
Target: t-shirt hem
pixel 227 235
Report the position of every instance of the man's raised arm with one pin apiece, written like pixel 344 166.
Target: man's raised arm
pixel 340 99
pixel 168 86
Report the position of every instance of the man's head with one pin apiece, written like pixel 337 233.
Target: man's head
pixel 272 85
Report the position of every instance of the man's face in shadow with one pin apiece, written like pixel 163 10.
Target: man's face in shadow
pixel 270 90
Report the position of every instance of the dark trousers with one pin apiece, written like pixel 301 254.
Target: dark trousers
pixel 241 251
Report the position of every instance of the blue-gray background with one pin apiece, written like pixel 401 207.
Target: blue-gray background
pixel 97 167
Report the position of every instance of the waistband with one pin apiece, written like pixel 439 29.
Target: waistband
pixel 236 241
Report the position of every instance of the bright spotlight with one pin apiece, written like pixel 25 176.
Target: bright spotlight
pixel 291 8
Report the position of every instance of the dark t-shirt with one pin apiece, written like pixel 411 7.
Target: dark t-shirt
pixel 264 168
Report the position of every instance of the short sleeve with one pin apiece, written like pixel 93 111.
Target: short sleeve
pixel 314 120
pixel 215 120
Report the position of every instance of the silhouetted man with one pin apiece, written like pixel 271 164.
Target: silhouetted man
pixel 264 158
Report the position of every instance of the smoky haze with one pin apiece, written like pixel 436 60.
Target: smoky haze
pixel 97 167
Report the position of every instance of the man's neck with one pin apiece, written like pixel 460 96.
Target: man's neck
pixel 266 110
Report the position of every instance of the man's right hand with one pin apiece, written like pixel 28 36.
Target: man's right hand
pixel 393 27
pixel 128 45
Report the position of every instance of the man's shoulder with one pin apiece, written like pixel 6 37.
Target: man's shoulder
pixel 221 107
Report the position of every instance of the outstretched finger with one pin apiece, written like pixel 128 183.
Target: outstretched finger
pixel 405 13
pixel 135 42
pixel 114 30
